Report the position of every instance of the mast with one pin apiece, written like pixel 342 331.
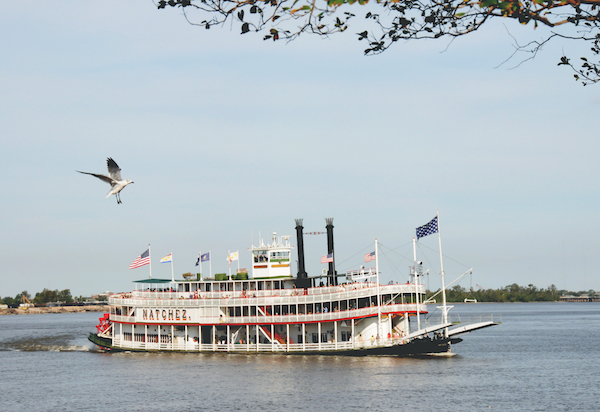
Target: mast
pixel 172 271
pixel 378 295
pixel 416 275
pixel 150 256
pixel 201 269
pixel 444 306
pixel 229 260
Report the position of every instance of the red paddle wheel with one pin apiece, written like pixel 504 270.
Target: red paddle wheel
pixel 105 324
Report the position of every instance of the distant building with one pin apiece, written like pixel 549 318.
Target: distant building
pixel 582 298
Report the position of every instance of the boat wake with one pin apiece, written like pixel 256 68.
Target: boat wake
pixel 40 347
pixel 442 354
pixel 60 343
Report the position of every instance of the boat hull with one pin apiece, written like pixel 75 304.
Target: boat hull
pixel 416 347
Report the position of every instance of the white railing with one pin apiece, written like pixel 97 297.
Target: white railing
pixel 289 318
pixel 253 347
pixel 261 297
pixel 325 290
pixel 456 319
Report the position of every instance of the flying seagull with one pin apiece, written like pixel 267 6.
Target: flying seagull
pixel 114 179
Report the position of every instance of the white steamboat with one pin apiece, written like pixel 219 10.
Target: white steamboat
pixel 272 311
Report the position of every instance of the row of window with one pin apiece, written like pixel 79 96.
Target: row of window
pixel 308 308
pixel 261 256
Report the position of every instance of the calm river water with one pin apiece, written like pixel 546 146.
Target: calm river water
pixel 544 357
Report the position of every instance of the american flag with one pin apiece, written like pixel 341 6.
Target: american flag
pixel 369 257
pixel 428 229
pixel 141 260
pixel 327 258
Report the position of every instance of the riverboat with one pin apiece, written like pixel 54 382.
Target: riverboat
pixel 275 312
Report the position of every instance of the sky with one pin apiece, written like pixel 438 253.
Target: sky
pixel 229 138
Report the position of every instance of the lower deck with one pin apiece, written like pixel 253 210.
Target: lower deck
pixel 350 334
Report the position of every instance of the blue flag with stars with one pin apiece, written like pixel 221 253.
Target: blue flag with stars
pixel 428 229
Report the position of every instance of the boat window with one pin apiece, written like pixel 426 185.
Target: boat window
pixel 260 256
pixel 283 256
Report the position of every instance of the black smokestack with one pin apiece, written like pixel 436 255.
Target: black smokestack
pixel 300 241
pixel 331 275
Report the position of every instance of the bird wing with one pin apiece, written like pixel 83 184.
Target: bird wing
pixel 107 179
pixel 113 169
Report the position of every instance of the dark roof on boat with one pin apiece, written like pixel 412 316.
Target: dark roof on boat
pixel 153 281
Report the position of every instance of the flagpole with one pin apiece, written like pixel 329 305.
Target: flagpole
pixel 172 271
pixel 150 256
pixel 444 308
pixel 415 272
pixel 229 260
pixel 209 264
pixel 378 294
pixel 200 255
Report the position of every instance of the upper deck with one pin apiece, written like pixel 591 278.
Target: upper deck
pixel 286 305
pixel 199 297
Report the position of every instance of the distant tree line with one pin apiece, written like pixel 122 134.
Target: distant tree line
pixel 40 299
pixel 510 293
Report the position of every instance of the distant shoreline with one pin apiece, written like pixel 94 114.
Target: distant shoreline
pixel 54 309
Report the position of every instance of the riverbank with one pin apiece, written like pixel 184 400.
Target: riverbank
pixel 55 309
